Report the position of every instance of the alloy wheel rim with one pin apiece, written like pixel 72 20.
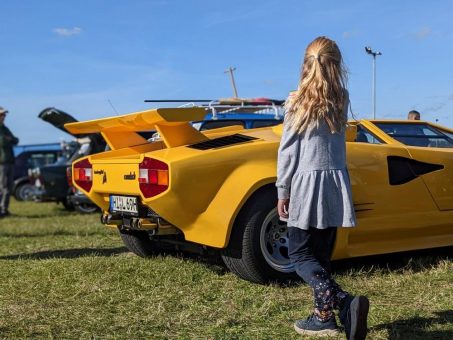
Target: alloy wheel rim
pixel 26 192
pixel 274 243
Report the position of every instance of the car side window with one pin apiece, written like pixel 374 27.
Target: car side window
pixel 365 136
pixel 417 134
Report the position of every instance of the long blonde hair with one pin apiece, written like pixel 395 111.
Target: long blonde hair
pixel 321 93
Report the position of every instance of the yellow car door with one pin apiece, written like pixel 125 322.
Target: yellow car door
pixel 389 215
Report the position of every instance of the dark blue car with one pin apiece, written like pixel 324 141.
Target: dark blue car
pixel 30 157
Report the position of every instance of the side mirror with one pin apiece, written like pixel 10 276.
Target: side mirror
pixel 351 133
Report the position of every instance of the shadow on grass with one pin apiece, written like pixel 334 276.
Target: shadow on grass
pixel 53 233
pixel 418 327
pixel 58 213
pixel 212 262
pixel 67 253
pixel 414 261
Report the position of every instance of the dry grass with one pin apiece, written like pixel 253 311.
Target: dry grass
pixel 66 276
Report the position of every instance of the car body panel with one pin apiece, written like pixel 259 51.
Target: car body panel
pixel 207 188
pixel 440 184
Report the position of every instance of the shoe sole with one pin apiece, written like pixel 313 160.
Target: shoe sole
pixel 324 332
pixel 359 314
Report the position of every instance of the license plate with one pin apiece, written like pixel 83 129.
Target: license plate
pixel 123 204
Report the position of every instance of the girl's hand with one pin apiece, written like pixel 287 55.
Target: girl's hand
pixel 282 208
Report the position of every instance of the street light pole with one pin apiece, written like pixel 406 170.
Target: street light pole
pixel 233 84
pixel 373 90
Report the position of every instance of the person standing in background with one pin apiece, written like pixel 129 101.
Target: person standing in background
pixel 413 115
pixel 7 141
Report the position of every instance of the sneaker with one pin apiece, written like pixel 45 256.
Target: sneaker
pixel 312 326
pixel 354 315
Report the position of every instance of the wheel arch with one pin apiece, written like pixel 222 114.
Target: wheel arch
pixel 235 231
pixel 19 181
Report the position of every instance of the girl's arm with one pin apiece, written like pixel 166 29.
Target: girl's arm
pixel 287 160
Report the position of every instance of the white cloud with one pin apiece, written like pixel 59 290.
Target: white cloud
pixel 67 32
pixel 350 34
pixel 423 33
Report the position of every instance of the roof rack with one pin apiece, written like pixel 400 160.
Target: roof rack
pixel 233 105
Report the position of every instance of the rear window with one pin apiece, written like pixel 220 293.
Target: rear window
pixel 417 134
pixel 265 122
pixel 215 124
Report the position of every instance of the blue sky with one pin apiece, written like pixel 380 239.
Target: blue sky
pixel 79 55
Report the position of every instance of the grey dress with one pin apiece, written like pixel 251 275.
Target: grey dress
pixel 312 173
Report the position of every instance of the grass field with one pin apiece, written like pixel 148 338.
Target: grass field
pixel 64 275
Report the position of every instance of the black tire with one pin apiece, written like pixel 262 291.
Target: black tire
pixel 25 192
pixel 66 204
pixel 139 243
pixel 85 208
pixel 245 255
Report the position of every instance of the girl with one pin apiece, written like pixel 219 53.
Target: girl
pixel 314 191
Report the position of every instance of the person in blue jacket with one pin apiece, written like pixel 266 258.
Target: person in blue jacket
pixel 7 141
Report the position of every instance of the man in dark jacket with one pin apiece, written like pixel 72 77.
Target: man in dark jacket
pixel 7 141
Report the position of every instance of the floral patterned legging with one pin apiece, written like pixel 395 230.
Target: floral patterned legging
pixel 310 252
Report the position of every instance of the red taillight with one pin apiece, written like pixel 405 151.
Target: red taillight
pixel 83 174
pixel 69 176
pixel 153 177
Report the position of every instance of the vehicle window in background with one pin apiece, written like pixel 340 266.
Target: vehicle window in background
pixel 40 159
pixel 417 134
pixel 365 136
pixel 215 124
pixel 265 122
pixel 449 134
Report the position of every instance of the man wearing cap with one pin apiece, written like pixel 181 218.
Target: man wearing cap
pixel 7 141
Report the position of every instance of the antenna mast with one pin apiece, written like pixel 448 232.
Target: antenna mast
pixel 233 84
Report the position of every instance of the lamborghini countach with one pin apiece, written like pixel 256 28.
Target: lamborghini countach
pixel 214 190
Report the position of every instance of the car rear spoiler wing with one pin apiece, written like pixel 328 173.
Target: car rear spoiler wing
pixel 121 131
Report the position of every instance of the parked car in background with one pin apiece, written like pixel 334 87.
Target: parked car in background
pixel 29 157
pixel 51 180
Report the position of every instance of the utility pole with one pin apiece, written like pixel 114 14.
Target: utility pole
pixel 373 90
pixel 233 84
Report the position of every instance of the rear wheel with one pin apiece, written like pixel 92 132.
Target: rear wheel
pixel 85 208
pixel 67 204
pixel 258 247
pixel 25 192
pixel 139 242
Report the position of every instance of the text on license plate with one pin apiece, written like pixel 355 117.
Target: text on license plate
pixel 123 204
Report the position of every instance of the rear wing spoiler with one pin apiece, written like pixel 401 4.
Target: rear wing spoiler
pixel 121 131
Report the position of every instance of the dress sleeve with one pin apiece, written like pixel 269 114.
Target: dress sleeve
pixel 287 160
pixel 346 104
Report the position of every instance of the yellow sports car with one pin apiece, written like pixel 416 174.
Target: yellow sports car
pixel 215 190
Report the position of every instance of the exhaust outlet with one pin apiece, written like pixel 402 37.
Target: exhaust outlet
pixel 146 224
pixel 113 220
